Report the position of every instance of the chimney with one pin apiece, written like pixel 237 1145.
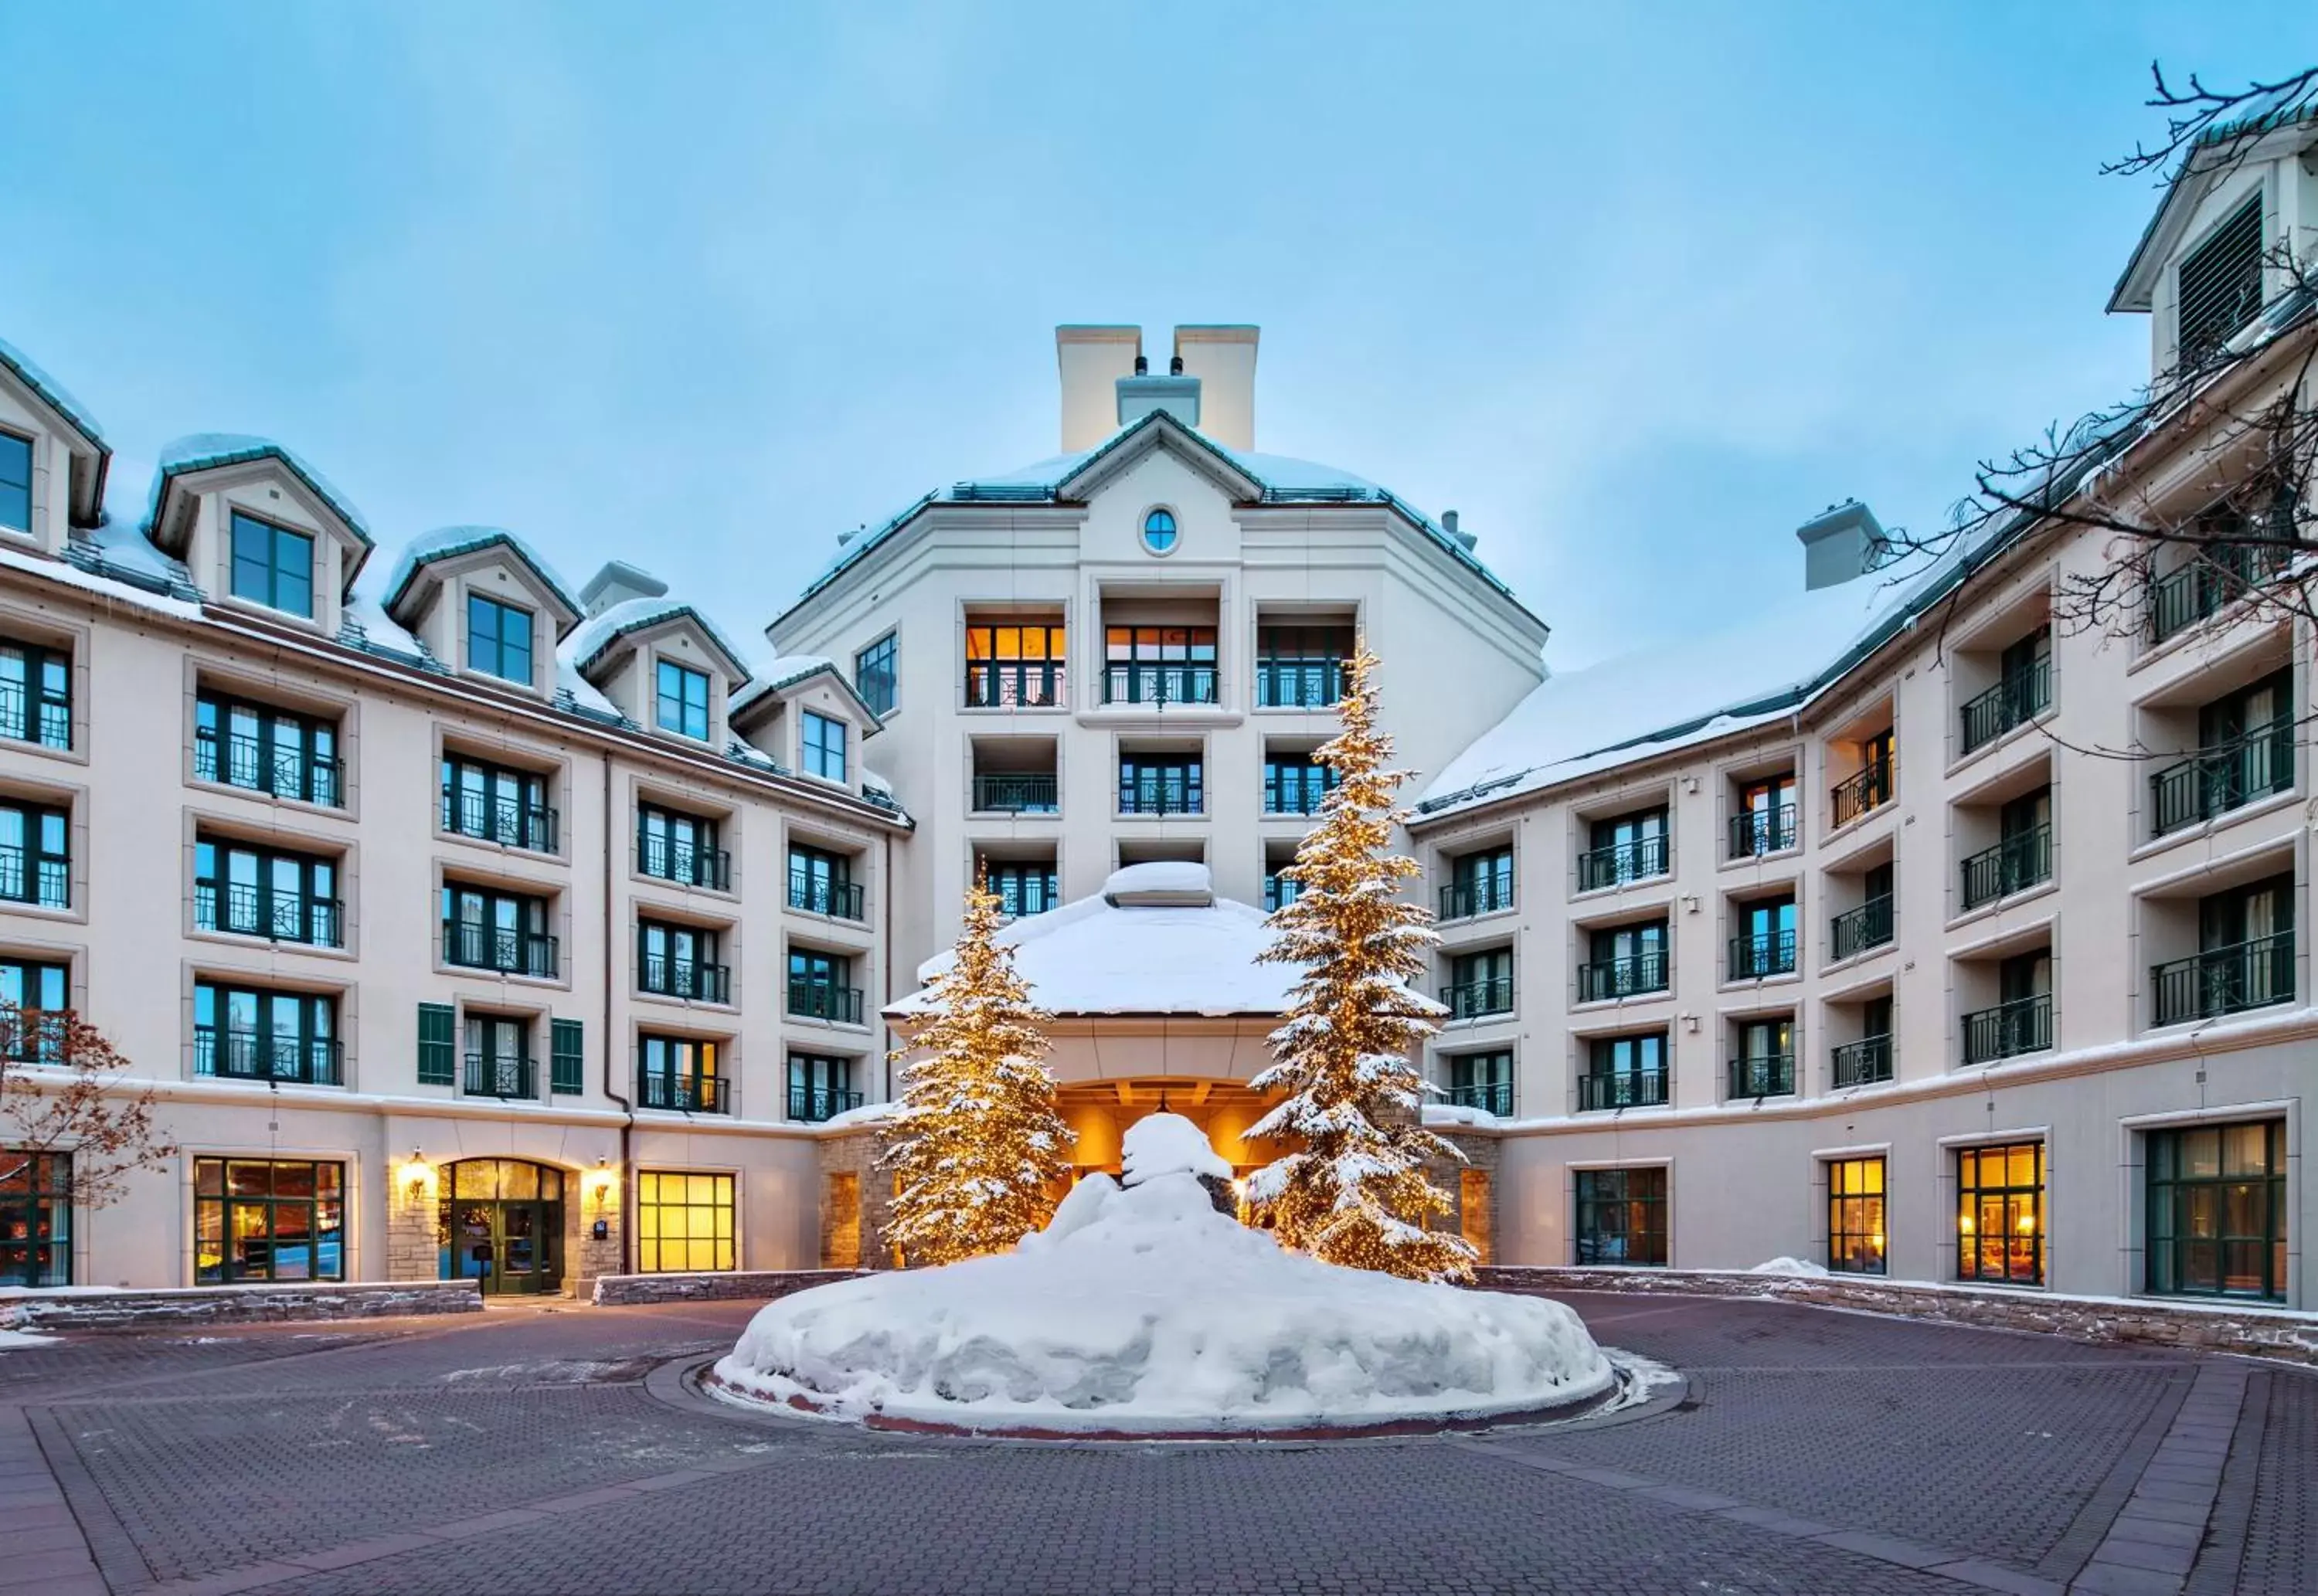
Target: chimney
pixel 1841 542
pixel 1465 540
pixel 617 583
pixel 1222 361
pixel 1092 360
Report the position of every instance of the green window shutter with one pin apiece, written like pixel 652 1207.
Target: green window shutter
pixel 563 1056
pixel 436 1056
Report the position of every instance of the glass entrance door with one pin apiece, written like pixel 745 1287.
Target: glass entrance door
pixel 501 1226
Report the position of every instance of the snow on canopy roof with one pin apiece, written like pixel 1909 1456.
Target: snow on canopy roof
pixel 786 671
pixel 1095 957
pixel 55 392
pixel 600 630
pixel 205 451
pixel 447 541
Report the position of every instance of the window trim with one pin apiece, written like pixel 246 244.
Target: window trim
pixel 686 674
pixel 1661 1204
pixel 31 470
pixel 890 644
pixel 34 866
pixel 38 700
pixel 2277 1234
pixel 500 644
pixel 1968 1267
pixel 1174 531
pixel 55 1199
pixel 236 519
pixel 224 1202
pixel 814 755
pixel 726 1245
pixel 1846 1209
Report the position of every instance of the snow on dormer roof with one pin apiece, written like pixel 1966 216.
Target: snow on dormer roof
pixel 447 543
pixel 206 450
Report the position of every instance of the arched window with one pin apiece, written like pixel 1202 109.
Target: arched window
pixel 1159 531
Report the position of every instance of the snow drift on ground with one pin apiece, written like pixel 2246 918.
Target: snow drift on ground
pixel 1143 1309
pixel 1784 1265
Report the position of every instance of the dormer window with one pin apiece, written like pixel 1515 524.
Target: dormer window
pixel 2220 284
pixel 16 482
pixel 683 699
pixel 499 639
pixel 824 747
pixel 1159 532
pixel 273 566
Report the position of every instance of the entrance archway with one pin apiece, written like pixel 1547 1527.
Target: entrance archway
pixel 1100 1113
pixel 501 1226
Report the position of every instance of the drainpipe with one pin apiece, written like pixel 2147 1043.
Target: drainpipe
pixel 885 942
pixel 611 1077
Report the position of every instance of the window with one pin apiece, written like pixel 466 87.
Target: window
pixel 36 694
pixel 1300 667
pixel 2000 1214
pixel 1161 784
pixel 484 928
pixel 1870 787
pixel 824 747
pixel 439 1049
pixel 1478 883
pixel 1278 890
pixel 253 1034
pixel 29 990
pixel 268 1219
pixel 822 883
pixel 1483 1081
pixel 2022 1020
pixel 820 1087
pixel 2245 957
pixel 1855 930
pixel 818 989
pixel 2023 691
pixel 1764 1065
pixel 2023 856
pixel 1014 667
pixel 677 847
pixel 1627 960
pixel 2245 752
pixel 1159 665
pixel 1625 848
pixel 1021 888
pixel 2219 284
pixel 35 1218
pixel 1869 1059
pixel 1295 784
pixel 679 1072
pixel 35 856
pixel 875 675
pixel 490 801
pixel 1765 820
pixel 1621 1217
pixel 1854 1216
pixel 1765 942
pixel 256 892
pixel 266 750
pixel 680 961
pixel 1624 1072
pixel 499 639
pixel 684 1222
pixel 272 565
pixel 567 1057
pixel 2217 1210
pixel 1159 535
pixel 498 1058
pixel 682 700
pixel 1480 983
pixel 16 482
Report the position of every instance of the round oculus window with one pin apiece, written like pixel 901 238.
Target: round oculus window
pixel 1159 532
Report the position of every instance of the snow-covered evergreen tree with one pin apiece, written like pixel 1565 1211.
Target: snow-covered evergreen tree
pixel 978 1145
pixel 1356 1192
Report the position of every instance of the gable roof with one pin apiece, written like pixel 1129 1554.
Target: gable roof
pixel 793 671
pixel 88 496
pixel 2288 116
pixel 448 542
pixel 596 636
pixel 209 450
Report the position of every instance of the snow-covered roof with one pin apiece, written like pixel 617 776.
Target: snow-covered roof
pixel 593 636
pixel 205 451
pixel 783 673
pixel 2281 118
pixel 1094 956
pixel 57 396
pixel 448 542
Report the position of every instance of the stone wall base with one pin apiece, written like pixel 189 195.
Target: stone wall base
pixel 236 1304
pixel 620 1291
pixel 2222 1327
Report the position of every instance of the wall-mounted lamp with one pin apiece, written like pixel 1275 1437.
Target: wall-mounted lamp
pixel 417 1176
pixel 1689 903
pixel 600 1180
pixel 1689 783
pixel 1690 1023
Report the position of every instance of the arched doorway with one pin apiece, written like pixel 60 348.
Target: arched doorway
pixel 501 1226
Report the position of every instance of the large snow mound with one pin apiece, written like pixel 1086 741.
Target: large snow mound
pixel 1142 1310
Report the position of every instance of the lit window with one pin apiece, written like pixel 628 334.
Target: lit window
pixel 2000 1214
pixel 824 747
pixel 36 1205
pixel 1854 1216
pixel 1621 1217
pixel 272 565
pixel 684 1222
pixel 499 639
pixel 1159 532
pixel 256 1219
pixel 874 675
pixel 16 482
pixel 683 699
pixel 2217 1210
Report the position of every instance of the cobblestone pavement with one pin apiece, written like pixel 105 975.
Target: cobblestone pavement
pixel 521 1451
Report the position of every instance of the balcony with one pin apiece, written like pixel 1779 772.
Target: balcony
pixel 2218 576
pixel 1299 683
pixel 1015 684
pixel 1622 862
pixel 813 1104
pixel 510 823
pixel 1279 891
pixel 2215 781
pixel 1490 1096
pixel 1482 894
pixel 685 1094
pixel 1622 1088
pixel 474 946
pixel 49 884
pixel 1472 999
pixel 1855 931
pixel 816 894
pixel 668 859
pixel 2014 700
pixel 253 1055
pixel 508 1075
pixel 1601 980
pixel 1770 953
pixel 28 1036
pixel 2025 1024
pixel 815 1000
pixel 1759 831
pixel 1159 683
pixel 282 917
pixel 1162 791
pixel 243 763
pixel 1863 1062
pixel 688 978
pixel 1765 1075
pixel 48 724
pixel 2225 979
pixel 1297 790
pixel 1015 793
pixel 2013 866
pixel 1871 789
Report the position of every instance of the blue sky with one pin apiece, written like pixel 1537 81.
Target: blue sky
pixel 1635 289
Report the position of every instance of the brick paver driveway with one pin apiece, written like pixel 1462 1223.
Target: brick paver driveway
pixel 522 1451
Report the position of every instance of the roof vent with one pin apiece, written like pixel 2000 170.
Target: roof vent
pixel 617 583
pixel 1841 542
pixel 1175 366
pixel 1143 365
pixel 1465 540
pixel 1142 393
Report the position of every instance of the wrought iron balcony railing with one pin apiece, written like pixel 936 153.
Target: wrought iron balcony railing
pixel 306 778
pixel 1279 891
pixel 2015 865
pixel 2014 700
pixel 1856 930
pixel 2216 780
pixel 687 1094
pixel 1863 1062
pixel 1757 831
pixel 473 945
pixel 233 1054
pixel 813 1104
pixel 1491 1097
pixel 249 910
pixel 1299 683
pixel 688 978
pixel 2025 1024
pixel 1015 684
pixel 2225 979
pixel 1159 683
pixel 1769 953
pixel 668 859
pixel 1763 1075
pixel 1622 1088
pixel 30 1037
pixel 2215 577
pixel 49 884
pixel 1008 791
pixel 1640 859
pixel 1469 999
pixel 508 821
pixel 500 1075
pixel 1158 793
pixel 818 894
pixel 1599 980
pixel 1477 894
pixel 815 1000
pixel 1869 789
